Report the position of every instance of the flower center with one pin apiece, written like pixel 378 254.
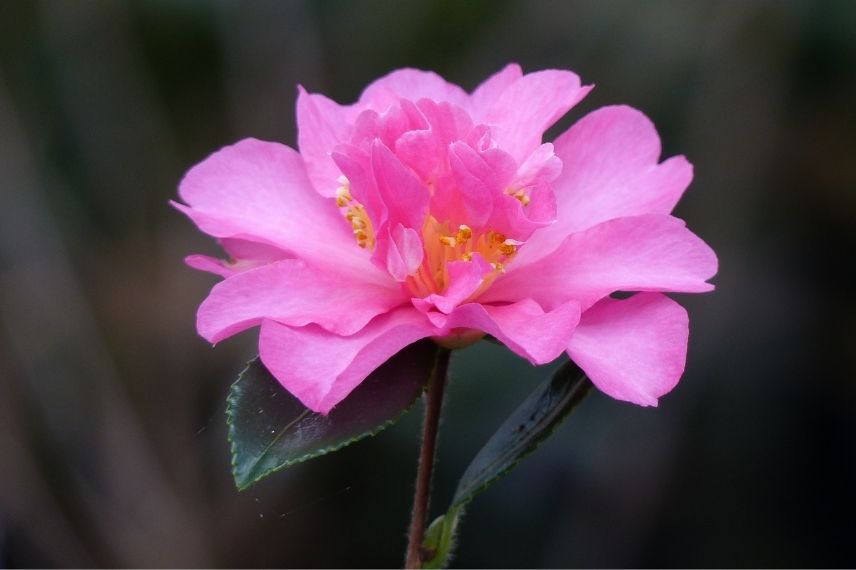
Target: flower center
pixel 442 245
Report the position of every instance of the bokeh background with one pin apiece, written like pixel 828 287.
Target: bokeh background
pixel 112 435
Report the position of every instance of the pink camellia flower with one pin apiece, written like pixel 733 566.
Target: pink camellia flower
pixel 424 211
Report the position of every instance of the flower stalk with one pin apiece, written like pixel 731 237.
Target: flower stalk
pixel 430 431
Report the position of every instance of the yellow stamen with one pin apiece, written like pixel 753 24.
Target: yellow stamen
pixel 343 196
pixel 508 247
pixel 356 214
pixel 464 234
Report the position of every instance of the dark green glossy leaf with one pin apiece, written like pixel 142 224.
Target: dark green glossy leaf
pixel 269 429
pixel 522 433
pixel 524 430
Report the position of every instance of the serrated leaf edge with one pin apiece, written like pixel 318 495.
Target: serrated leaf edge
pixel 585 387
pixel 230 407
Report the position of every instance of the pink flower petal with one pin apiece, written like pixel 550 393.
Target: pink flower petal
pixel 633 350
pixel 320 368
pixel 542 166
pixel 515 220
pixel 250 250
pixel 488 92
pixel 412 84
pixel 425 150
pixel 465 277
pixel 639 253
pixel 610 170
pixel 524 327
pixel 529 106
pixel 404 195
pixel 405 252
pixel 294 293
pixel 209 265
pixel 321 125
pixel 355 164
pixel 258 191
pixel 480 180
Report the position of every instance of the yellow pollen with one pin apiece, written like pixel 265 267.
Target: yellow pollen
pixel 522 197
pixel 446 244
pixel 464 234
pixel 508 247
pixel 356 215
pixel 343 196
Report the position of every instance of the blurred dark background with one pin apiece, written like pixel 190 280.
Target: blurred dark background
pixel 112 435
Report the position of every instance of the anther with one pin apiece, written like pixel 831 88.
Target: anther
pixel 508 247
pixel 464 234
pixel 343 196
pixel 362 238
pixel 448 240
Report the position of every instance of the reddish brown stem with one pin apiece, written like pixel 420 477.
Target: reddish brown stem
pixel 430 429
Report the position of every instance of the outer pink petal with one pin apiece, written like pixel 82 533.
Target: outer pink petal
pixel 321 126
pixel 412 84
pixel 529 106
pixel 244 255
pixel 610 170
pixel 639 253
pixel 258 191
pixel 242 249
pixel 486 94
pixel 292 292
pixel 210 264
pixel 321 368
pixel 634 350
pixel 524 327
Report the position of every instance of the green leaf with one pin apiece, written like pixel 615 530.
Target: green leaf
pixel 270 430
pixel 527 427
pixel 522 433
